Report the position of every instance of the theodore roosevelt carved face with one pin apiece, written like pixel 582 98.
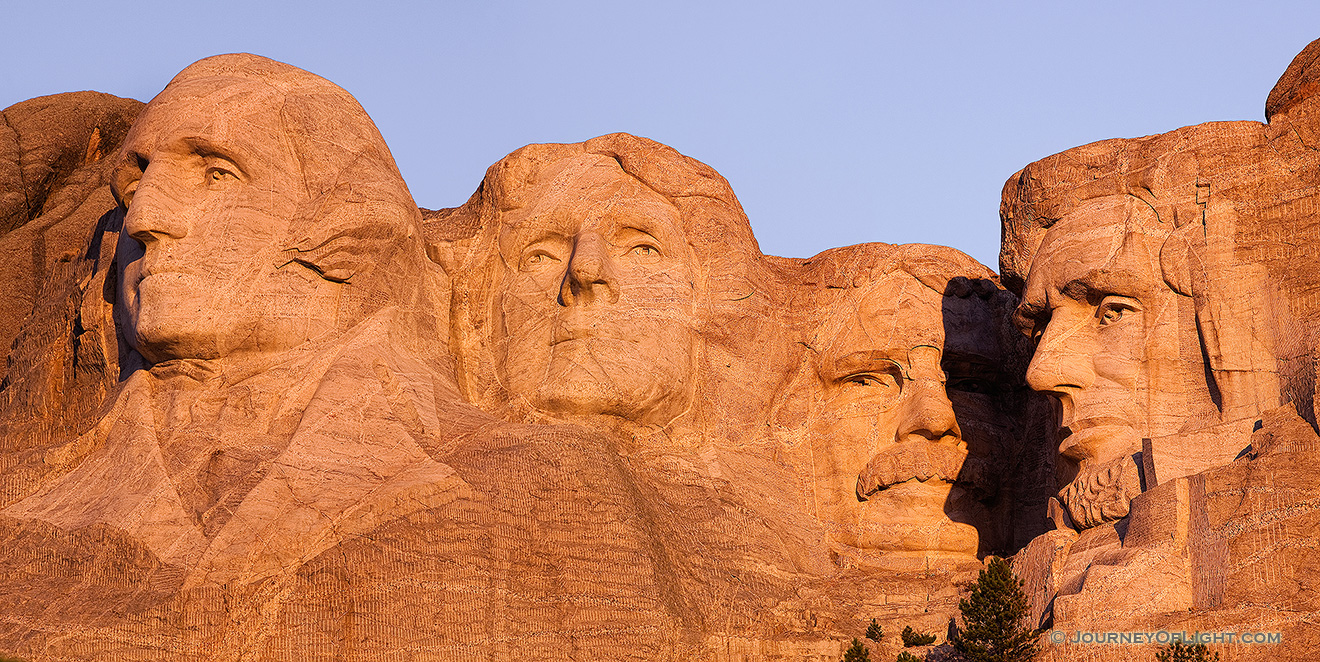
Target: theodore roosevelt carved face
pixel 904 373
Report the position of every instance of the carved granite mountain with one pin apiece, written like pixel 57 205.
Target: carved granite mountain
pixel 1170 281
pixel 270 410
pixel 260 406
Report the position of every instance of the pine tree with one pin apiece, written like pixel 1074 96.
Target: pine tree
pixel 857 653
pixel 913 638
pixel 993 616
pixel 1180 652
pixel 904 656
pixel 874 632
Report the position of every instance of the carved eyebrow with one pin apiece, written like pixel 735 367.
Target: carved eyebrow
pixel 1104 280
pixel 205 147
pixel 634 229
pixel 863 361
pixel 513 241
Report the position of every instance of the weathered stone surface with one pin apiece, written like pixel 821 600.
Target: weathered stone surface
pixel 269 409
pixel 1171 288
pixel 56 155
pixel 52 188
pixel 273 411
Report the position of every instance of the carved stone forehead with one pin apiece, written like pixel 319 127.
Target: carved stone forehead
pixel 589 192
pixel 895 312
pixel 578 182
pixel 1100 243
pixel 289 117
pixel 239 117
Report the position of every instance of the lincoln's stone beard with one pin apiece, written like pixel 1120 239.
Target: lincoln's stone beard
pixel 1102 492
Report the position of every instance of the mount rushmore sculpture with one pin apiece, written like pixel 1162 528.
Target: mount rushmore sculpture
pixel 260 405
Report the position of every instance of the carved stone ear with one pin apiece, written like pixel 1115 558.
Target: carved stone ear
pixel 1180 255
pixel 1230 299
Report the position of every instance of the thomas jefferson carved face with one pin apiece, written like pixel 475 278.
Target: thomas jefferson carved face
pixel 1116 346
pixel 211 186
pixel 596 304
pixel 890 456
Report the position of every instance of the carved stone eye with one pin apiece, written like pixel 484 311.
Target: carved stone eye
pixel 216 176
pixel 876 380
pixel 538 260
pixel 645 252
pixel 971 385
pixel 1114 309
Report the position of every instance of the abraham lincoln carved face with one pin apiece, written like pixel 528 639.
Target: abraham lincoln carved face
pixel 1116 346
pixel 596 303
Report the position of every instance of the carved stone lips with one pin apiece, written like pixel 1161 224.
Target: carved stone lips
pixel 158 269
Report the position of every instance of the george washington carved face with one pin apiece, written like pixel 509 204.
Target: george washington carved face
pixel 211 187
pixel 262 210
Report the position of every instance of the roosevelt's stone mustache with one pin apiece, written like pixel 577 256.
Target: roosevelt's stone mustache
pixel 922 460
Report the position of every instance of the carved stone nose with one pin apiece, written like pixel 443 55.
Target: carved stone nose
pixel 590 275
pixel 928 413
pixel 153 214
pixel 1059 365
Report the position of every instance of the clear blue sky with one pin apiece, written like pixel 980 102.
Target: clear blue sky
pixel 836 123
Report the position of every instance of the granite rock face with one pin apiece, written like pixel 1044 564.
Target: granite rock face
pixel 56 202
pixel 1171 284
pixel 259 405
pixel 52 166
pixel 271 409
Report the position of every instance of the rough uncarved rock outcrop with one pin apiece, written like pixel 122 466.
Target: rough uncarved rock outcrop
pixel 53 187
